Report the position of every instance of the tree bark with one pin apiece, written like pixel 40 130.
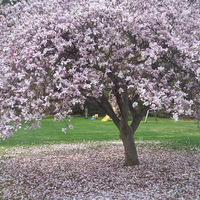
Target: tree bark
pixel 131 156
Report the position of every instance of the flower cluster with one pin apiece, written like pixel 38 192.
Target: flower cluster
pixel 55 58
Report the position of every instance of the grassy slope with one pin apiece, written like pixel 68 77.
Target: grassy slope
pixel 182 134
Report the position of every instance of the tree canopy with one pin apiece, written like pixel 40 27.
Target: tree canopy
pixel 60 52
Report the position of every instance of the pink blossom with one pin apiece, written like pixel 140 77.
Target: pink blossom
pixel 64 130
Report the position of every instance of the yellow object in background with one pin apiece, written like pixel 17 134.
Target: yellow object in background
pixel 105 119
pixel 95 116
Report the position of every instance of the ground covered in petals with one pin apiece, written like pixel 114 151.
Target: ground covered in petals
pixel 96 171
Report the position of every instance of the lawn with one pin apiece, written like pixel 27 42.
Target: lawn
pixel 181 134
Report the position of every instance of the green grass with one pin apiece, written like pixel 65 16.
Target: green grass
pixel 181 134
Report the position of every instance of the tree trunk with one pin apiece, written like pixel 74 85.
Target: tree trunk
pixel 131 157
pixel 126 131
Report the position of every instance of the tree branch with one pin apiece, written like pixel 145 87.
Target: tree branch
pixel 109 110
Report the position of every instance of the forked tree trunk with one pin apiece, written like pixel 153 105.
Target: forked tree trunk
pixel 126 131
pixel 131 156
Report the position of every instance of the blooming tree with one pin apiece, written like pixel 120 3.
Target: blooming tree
pixel 57 53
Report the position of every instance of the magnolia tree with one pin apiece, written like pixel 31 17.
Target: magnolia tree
pixel 57 53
